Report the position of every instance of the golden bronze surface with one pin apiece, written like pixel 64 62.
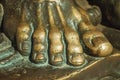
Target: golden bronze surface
pixel 56 39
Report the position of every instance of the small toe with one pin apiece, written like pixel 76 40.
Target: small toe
pixel 23 38
pixel 74 48
pixel 76 59
pixel 56 47
pixel 39 50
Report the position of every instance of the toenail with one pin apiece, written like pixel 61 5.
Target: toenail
pixel 39 57
pixel 57 59
pixel 25 45
pixel 76 59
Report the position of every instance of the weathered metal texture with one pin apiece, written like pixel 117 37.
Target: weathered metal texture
pixel 99 69
pixel 55 32
pixel 9 57
pixel 107 68
pixel 20 67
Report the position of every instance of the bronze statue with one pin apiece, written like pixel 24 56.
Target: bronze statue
pixel 54 32
pixel 57 28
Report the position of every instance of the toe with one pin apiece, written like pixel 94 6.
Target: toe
pixel 56 55
pixel 23 38
pixel 73 42
pixel 24 33
pixel 39 50
pixel 56 46
pixel 40 44
pixel 97 43
pixel 55 37
pixel 74 49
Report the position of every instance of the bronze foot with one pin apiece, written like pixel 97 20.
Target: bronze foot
pixel 49 30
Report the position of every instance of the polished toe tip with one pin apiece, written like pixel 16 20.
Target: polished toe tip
pixel 105 49
pixel 39 58
pixel 56 59
pixel 76 59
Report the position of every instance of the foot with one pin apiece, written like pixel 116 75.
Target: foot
pixel 57 28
